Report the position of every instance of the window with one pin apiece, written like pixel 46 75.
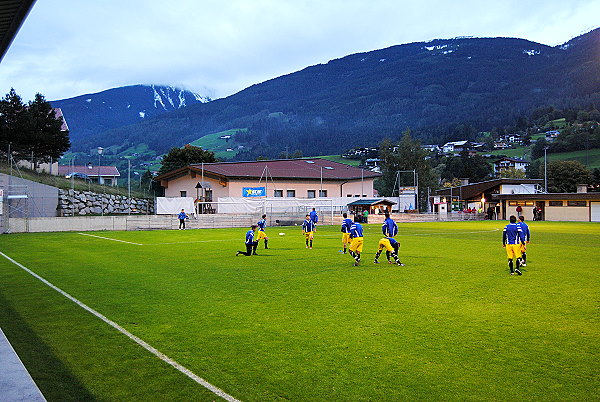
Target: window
pixel 521 203
pixel 576 204
pixel 278 193
pixel 555 203
pixel 183 193
pixel 310 193
pixel 322 193
pixel 291 193
pixel 348 195
pixel 208 194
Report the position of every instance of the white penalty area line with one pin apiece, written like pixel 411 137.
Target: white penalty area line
pixel 149 348
pixel 151 244
pixel 108 238
pixel 457 232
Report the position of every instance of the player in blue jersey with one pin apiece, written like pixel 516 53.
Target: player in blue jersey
pixel 182 216
pixel 512 238
pixel 262 225
pixel 389 227
pixel 391 247
pixel 251 244
pixel 346 224
pixel 356 246
pixel 314 216
pixel 308 229
pixel 527 236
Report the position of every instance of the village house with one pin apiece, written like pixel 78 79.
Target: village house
pixel 507 163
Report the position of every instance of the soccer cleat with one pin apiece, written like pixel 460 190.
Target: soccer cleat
pixel 401 264
pixel 523 264
pixel 238 253
pixel 375 262
pixel 518 271
pixel 356 264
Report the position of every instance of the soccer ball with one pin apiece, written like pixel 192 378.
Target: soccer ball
pixel 281 234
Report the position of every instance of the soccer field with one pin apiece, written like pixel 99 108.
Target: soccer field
pixel 300 324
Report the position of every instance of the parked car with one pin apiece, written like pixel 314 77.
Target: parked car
pixel 78 175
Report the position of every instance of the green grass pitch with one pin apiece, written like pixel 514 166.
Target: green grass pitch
pixel 301 324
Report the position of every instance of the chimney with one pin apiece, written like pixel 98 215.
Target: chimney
pixel 582 188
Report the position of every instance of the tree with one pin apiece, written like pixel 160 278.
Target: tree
pixel 12 121
pixel 512 173
pixel 407 155
pixel 180 157
pixel 31 130
pixel 44 137
pixel 563 176
pixel 475 168
pixel 537 151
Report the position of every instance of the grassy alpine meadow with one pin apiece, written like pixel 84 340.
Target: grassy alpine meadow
pixel 300 324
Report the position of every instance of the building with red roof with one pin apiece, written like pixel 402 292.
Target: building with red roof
pixel 293 178
pixel 101 174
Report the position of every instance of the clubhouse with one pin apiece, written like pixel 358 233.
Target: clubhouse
pixel 304 178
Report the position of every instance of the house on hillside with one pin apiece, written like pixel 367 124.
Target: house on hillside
pixel 551 135
pixel 107 175
pixel 507 163
pixel 455 147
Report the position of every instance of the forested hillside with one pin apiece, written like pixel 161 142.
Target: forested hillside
pixel 431 87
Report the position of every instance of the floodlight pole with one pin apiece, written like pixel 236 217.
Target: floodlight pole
pixel 545 171
pixel 100 149
pixel 129 184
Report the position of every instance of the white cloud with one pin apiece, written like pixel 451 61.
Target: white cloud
pixel 71 47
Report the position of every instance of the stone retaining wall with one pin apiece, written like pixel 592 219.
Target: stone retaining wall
pixel 81 203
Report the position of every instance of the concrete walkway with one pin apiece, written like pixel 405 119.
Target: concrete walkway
pixel 15 382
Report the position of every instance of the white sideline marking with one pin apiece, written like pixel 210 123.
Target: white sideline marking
pixel 108 238
pixel 134 338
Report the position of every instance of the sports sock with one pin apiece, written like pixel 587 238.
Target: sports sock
pixel 524 256
pixel 311 243
pixel 266 243
pixel 510 265
pixel 377 255
pixel 395 258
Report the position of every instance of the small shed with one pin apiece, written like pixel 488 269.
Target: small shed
pixel 372 205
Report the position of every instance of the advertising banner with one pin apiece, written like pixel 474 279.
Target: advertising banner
pixel 254 192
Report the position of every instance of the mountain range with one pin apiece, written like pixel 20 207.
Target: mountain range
pixel 430 87
pixel 95 113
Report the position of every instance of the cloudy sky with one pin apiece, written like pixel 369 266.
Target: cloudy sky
pixel 68 48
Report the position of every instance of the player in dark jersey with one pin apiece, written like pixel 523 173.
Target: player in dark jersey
pixel 262 225
pixel 308 229
pixel 512 238
pixel 527 235
pixel 346 224
pixel 391 247
pixel 251 244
